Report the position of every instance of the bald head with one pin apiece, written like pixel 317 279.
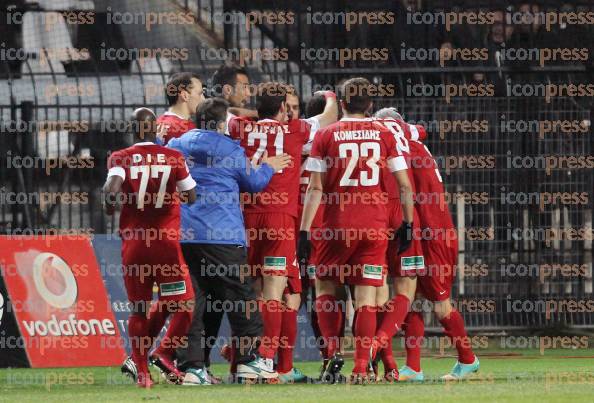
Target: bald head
pixel 144 124
pixel 388 113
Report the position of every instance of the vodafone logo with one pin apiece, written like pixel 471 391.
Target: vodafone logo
pixel 56 284
pixel 46 264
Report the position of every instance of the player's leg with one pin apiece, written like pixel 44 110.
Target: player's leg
pixel 386 354
pixel 403 268
pixel 190 355
pixel 395 311
pixel 414 330
pixel 157 317
pixel 138 282
pixel 286 371
pixel 272 312
pixel 177 295
pixel 365 326
pixel 367 273
pixel 212 324
pixel 140 342
pixel 436 286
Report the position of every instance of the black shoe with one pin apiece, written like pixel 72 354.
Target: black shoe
pixel 331 372
pixel 128 368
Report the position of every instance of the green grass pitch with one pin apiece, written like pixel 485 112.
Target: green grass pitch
pixel 527 376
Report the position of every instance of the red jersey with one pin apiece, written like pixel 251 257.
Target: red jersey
pixel 304 178
pixel 282 193
pixel 403 133
pixel 430 202
pixel 151 174
pixel 352 153
pixel 176 125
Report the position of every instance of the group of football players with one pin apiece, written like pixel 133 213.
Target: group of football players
pixel 344 218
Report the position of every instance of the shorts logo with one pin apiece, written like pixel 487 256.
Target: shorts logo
pixel 412 263
pixel 175 288
pixel 372 272
pixel 275 262
pixel 311 272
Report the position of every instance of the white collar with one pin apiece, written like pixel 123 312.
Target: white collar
pixel 356 120
pixel 145 143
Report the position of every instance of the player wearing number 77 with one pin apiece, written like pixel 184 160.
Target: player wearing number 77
pixel 144 180
pixel 346 163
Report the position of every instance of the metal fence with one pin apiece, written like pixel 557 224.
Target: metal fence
pixel 512 248
pixel 524 263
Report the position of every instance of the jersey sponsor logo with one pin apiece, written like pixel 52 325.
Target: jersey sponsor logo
pixel 275 262
pixel 372 272
pixel 173 288
pixel 412 263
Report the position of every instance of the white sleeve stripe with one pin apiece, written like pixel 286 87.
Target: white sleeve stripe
pixel 397 164
pixel 117 171
pixel 315 165
pixel 186 184
pixel 414 132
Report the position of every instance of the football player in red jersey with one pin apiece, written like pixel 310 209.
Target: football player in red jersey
pixel 270 215
pixel 346 163
pixel 232 83
pixel 403 267
pixel 144 180
pixel 439 243
pixel 184 93
pixel 314 107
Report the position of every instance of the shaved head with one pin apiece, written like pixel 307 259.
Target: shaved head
pixel 144 124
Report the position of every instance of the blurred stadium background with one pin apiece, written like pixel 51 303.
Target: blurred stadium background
pixel 42 85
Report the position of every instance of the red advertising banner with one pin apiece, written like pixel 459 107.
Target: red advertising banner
pixel 60 302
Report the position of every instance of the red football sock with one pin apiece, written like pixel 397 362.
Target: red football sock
pixel 454 328
pixel 330 321
pixel 233 355
pixel 156 319
pixel 364 331
pixel 386 353
pixel 177 331
pixel 140 341
pixel 395 311
pixel 413 339
pixel 287 344
pixel 315 325
pixel 272 317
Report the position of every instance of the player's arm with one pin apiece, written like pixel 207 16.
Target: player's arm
pixel 113 184
pixel 406 194
pixel 254 179
pixel 111 190
pixel 244 112
pixel 185 184
pixel 330 113
pixel 313 197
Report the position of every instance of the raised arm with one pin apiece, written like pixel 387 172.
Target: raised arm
pixel 330 113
